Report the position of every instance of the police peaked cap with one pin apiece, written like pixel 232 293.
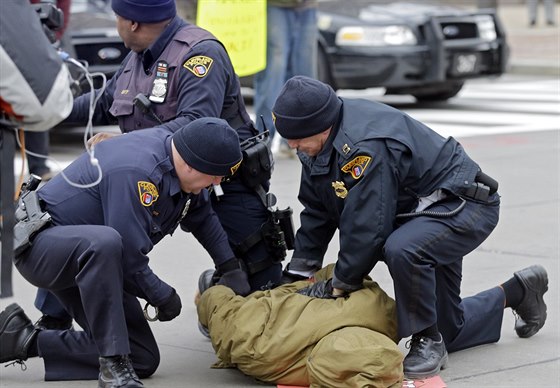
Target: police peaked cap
pixel 209 145
pixel 145 11
pixel 305 107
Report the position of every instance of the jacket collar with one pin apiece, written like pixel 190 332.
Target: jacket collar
pixel 154 51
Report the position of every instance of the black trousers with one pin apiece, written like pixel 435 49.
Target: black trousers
pixel 241 213
pixel 425 257
pixel 81 265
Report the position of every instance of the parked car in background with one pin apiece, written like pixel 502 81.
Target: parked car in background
pixel 428 51
pixel 92 38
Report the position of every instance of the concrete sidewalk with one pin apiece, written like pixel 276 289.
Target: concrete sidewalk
pixel 527 234
pixel 534 50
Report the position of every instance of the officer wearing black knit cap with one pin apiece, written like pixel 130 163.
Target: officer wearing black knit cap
pixel 196 144
pixel 371 171
pixel 93 256
pixel 306 108
pixel 145 11
pixel 185 73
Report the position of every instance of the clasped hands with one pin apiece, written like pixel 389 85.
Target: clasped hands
pixel 323 290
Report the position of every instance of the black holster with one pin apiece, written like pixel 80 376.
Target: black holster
pixel 258 164
pixel 482 188
pixel 277 233
pixel 30 218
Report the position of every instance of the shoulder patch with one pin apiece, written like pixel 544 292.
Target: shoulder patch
pixel 356 166
pixel 148 193
pixel 234 168
pixel 199 65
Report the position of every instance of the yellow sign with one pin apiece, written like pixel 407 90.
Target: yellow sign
pixel 241 26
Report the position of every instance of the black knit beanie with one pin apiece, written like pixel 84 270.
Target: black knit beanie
pixel 145 11
pixel 305 107
pixel 209 145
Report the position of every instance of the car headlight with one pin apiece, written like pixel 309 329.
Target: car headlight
pixel 375 36
pixel 486 28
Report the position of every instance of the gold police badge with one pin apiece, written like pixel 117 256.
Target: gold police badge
pixel 356 166
pixel 199 65
pixel 148 193
pixel 339 189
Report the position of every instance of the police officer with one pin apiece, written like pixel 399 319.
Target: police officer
pixel 185 73
pixel 400 193
pixel 93 256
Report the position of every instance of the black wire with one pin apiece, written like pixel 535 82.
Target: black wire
pixel 433 213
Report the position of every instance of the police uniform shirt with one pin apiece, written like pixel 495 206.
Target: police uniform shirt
pixel 140 197
pixel 204 91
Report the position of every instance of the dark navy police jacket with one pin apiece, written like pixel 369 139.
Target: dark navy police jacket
pixel 140 197
pixel 376 164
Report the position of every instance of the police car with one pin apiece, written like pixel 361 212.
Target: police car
pixel 92 37
pixel 428 51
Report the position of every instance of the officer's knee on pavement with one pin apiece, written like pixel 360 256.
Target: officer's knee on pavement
pixel 147 365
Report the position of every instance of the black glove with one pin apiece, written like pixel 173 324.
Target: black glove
pixel 170 308
pixel 232 275
pixel 322 289
pixel 288 277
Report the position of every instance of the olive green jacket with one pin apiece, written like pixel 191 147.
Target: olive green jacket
pixel 281 337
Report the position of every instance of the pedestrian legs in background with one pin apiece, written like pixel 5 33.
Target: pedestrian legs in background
pixel 38 143
pixel 291 50
pixel 548 11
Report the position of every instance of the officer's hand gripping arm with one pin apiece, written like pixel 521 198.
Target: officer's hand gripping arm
pixel 323 290
pixel 233 276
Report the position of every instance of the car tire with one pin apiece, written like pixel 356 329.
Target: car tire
pixel 438 93
pixel 323 68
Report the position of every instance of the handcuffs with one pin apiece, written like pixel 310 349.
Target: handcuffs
pixel 147 314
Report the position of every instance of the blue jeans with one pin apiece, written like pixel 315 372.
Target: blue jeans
pixel 291 50
pixel 37 142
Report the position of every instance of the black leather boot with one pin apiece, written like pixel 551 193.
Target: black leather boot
pixel 531 312
pixel 425 358
pixel 16 334
pixel 117 372
pixel 47 322
pixel 205 281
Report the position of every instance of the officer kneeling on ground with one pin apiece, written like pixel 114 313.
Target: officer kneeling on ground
pixel 92 255
pixel 183 72
pixel 398 192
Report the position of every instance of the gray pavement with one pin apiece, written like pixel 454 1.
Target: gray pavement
pixel 534 50
pixel 526 164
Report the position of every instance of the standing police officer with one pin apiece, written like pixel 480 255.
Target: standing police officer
pixel 185 73
pixel 93 256
pixel 400 193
